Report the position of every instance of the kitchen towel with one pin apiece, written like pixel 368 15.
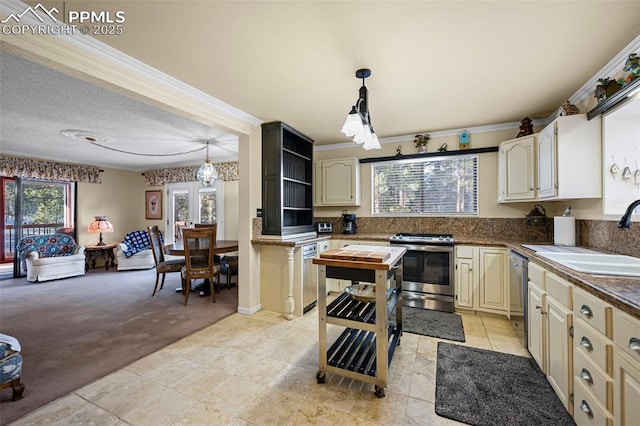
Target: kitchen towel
pixel 564 230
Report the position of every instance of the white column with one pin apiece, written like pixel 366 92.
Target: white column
pixel 290 304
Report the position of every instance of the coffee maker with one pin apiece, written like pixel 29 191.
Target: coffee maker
pixel 349 224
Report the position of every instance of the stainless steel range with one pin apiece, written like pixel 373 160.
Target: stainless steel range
pixel 428 270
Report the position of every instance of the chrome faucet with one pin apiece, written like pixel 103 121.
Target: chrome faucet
pixel 625 220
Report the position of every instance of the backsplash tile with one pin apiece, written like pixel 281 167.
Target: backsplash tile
pixel 605 235
pixel 597 234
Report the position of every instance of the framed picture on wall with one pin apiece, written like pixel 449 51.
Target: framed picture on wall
pixel 153 204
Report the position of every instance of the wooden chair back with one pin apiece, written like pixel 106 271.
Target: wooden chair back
pixel 156 244
pixel 198 258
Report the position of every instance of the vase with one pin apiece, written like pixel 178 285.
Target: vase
pixel 422 149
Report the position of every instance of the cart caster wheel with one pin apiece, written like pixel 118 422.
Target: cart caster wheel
pixel 321 377
pixel 379 391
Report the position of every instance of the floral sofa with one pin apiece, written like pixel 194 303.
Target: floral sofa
pixel 11 365
pixel 134 252
pixel 51 256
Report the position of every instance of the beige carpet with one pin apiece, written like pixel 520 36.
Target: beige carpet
pixel 76 330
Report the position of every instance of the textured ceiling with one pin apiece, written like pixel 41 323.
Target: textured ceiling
pixel 38 103
pixel 436 65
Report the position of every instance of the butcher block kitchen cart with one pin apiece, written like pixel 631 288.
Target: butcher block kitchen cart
pixel 365 348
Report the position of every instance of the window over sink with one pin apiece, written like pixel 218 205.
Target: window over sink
pixel 433 186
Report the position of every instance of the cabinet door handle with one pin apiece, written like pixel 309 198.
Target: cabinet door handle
pixel 634 344
pixel 586 343
pixel 541 311
pixel 586 311
pixel 586 376
pixel 584 407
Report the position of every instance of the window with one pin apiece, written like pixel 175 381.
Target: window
pixel 435 186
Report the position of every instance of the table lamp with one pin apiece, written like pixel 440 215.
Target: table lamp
pixel 100 224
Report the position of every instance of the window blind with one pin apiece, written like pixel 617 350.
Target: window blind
pixel 436 186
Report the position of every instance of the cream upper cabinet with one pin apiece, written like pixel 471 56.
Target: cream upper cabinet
pixel 569 152
pixel 337 182
pixel 517 168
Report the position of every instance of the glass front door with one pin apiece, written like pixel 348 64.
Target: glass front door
pixel 191 203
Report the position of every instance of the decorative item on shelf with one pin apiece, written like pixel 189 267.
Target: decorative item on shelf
pixel 536 217
pixel 568 108
pixel 207 173
pixel 443 147
pixel 421 141
pixel 626 173
pixel 632 67
pixel 606 88
pixel 358 122
pixel 526 127
pixel 100 224
pixel 464 139
pixel 636 175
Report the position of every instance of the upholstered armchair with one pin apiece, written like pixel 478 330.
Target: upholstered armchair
pixel 11 365
pixel 134 252
pixel 51 256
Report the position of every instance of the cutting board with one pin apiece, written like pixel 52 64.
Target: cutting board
pixel 356 255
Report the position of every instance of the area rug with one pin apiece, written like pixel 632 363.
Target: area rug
pixel 443 325
pixel 76 330
pixel 482 387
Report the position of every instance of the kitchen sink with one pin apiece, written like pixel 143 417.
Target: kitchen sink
pixel 597 263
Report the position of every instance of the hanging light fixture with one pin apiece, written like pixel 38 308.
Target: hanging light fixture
pixel 207 174
pixel 358 122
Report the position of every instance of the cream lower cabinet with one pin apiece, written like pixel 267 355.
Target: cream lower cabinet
pixel 626 369
pixel 593 363
pixel 537 332
pixel 481 281
pixel 493 281
pixel 550 325
pixel 466 280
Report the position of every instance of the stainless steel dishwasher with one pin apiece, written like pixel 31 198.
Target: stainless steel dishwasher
pixel 519 286
pixel 309 278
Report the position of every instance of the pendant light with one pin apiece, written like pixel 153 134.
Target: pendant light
pixel 207 173
pixel 358 122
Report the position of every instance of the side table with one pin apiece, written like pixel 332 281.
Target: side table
pixel 94 252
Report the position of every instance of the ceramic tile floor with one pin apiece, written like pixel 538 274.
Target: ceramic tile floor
pixel 260 370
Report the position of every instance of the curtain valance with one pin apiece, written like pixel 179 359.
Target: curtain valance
pixel 227 171
pixel 27 168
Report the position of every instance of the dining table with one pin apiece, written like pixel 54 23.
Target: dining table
pixel 221 246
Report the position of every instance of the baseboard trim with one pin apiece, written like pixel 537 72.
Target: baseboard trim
pixel 249 311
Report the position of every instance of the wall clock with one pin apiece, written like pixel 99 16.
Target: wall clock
pixel 463 139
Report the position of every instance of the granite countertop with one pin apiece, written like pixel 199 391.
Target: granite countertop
pixel 621 292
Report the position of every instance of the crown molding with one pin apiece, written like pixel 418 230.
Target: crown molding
pixel 613 67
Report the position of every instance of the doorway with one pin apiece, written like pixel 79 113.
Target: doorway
pixel 32 207
pixel 190 203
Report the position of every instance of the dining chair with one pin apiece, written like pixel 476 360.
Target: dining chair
pixel 198 259
pixel 162 266
pixel 216 258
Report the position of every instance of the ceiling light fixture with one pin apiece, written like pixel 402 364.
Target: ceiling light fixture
pixel 207 174
pixel 358 122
